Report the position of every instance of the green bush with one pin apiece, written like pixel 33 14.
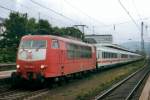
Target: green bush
pixel 7 55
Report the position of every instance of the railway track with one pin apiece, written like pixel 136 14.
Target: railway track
pixel 125 89
pixel 22 94
pixel 7 92
pixel 5 84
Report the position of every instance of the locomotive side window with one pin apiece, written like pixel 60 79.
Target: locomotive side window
pixel 75 51
pixel 55 44
pixel 70 50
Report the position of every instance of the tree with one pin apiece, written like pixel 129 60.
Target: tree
pixel 15 29
pixel 68 31
pixel 71 31
pixel 44 27
pixel 57 31
pixel 31 26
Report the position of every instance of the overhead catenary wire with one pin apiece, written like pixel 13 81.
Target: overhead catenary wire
pixel 90 17
pixel 138 14
pixel 8 9
pixel 41 13
pixel 64 23
pixel 55 19
pixel 101 22
pixel 51 10
pixel 30 10
pixel 84 13
pixel 129 15
pixel 129 21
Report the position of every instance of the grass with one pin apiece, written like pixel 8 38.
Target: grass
pixel 7 55
pixel 108 82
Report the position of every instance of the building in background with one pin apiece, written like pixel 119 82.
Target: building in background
pixel 107 38
pixel 2 28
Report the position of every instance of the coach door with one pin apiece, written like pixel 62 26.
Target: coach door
pixel 61 57
pixel 56 51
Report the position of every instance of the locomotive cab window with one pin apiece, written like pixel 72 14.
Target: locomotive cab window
pixel 55 44
pixel 39 44
pixel 33 44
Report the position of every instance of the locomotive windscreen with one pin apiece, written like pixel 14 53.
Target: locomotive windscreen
pixel 33 44
pixel 32 50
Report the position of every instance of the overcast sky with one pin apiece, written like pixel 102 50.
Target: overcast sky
pixel 100 16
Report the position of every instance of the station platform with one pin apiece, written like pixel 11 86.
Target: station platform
pixel 145 95
pixel 6 74
pixel 7 64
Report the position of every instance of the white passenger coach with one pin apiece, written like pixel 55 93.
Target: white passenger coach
pixel 110 54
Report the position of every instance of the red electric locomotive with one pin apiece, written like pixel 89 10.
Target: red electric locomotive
pixel 45 56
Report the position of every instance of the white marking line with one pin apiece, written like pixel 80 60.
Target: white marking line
pixel 5 74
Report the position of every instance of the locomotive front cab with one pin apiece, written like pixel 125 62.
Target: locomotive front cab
pixel 31 57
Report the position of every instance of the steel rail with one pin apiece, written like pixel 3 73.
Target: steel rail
pixel 118 84
pixel 136 86
pixel 24 95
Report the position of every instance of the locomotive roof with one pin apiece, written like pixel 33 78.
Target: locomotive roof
pixel 58 38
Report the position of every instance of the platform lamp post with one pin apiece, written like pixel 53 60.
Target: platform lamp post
pixel 129 40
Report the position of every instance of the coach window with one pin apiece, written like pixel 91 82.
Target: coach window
pixel 98 54
pixel 55 44
pixel 102 54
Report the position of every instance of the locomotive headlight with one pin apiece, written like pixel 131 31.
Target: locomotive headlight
pixel 18 66
pixel 42 66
